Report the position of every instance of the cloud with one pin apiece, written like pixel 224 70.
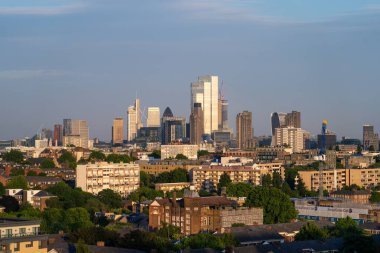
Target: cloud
pixel 42 10
pixel 26 74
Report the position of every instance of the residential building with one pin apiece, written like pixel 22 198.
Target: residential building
pixel 36 198
pixel 244 130
pixel 21 235
pixel 160 166
pixel 206 91
pixel 171 151
pixel 153 119
pixel 196 124
pixel 370 138
pixel 58 135
pixel 75 132
pixel 289 136
pixel 168 187
pixel 122 178
pixel 207 177
pixel 195 214
pixel 42 182
pixel 118 131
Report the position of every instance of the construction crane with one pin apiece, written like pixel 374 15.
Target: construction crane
pixel 322 156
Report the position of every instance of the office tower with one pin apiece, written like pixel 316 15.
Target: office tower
pixel 370 138
pixel 278 119
pixel 75 132
pixel 205 92
pixel 223 114
pixel 58 135
pixel 138 114
pixel 132 123
pixel 244 130
pixel 118 131
pixel 293 119
pixel 173 128
pixel 330 140
pixel 153 117
pixel 196 124
pixel 46 134
pixel 289 136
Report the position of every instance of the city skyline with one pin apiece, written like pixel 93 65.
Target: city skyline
pixel 318 59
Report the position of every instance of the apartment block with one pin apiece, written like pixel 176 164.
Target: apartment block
pixel 207 177
pixel 122 178
pixel 171 151
pixel 195 214
pixel 21 235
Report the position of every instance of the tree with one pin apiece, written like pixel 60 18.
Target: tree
pixel 175 176
pixel 311 231
pixel 239 190
pixel 81 247
pixel 202 153
pixel 91 235
pixel 375 197
pixel 277 205
pixel 17 172
pixel 285 188
pixel 371 148
pixel 145 193
pixel 31 173
pixel 115 158
pixel 156 154
pixel 97 156
pixel 68 160
pixel 169 231
pixel 110 198
pixel 18 182
pixel 266 180
pixel 13 155
pixel 47 164
pixel 2 189
pixel 276 180
pixel 359 149
pixel 53 221
pixel 224 181
pixel 10 203
pixel 181 157
pixel 145 179
pixel 201 241
pixel 76 218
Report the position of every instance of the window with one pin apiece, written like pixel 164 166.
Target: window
pixel 22 231
pixel 17 247
pixel 8 233
pixel 29 245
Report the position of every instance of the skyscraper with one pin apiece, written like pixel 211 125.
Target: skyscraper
pixel 172 128
pixel 205 92
pixel 118 131
pixel 293 119
pixel 278 119
pixel 370 138
pixel 223 114
pixel 134 120
pixel 58 135
pixel 75 132
pixel 244 130
pixel 196 124
pixel 153 117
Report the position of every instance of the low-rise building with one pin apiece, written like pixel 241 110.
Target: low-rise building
pixel 122 178
pixel 42 182
pixel 21 235
pixel 195 214
pixel 36 198
pixel 168 187
pixel 158 166
pixel 359 196
pixel 171 151
pixel 207 177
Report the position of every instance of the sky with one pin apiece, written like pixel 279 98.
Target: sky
pixel 88 59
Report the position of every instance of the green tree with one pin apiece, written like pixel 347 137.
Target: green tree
pixel 10 203
pixel 145 193
pixel 266 180
pixel 81 247
pixel 115 158
pixel 67 160
pixel 76 218
pixel 18 182
pixel 181 157
pixel 53 221
pixel 239 190
pixel 31 173
pixel 97 156
pixel 110 198
pixel 175 176
pixel 375 197
pixel 2 189
pixel 13 155
pixel 156 154
pixel 145 179
pixel 277 205
pixel 202 153
pixel 47 164
pixel 224 181
pixel 276 180
pixel 201 241
pixel 311 231
pixel 285 188
pixel 169 231
pixel 17 172
pixel 359 149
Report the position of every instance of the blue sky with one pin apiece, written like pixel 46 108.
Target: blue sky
pixel 88 59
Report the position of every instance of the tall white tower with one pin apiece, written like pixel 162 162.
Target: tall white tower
pixel 206 92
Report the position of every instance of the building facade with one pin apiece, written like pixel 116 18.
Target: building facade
pixel 122 178
pixel 171 151
pixel 58 135
pixel 173 129
pixel 244 130
pixel 370 138
pixel 75 132
pixel 196 124
pixel 118 131
pixel 293 119
pixel 289 136
pixel 154 115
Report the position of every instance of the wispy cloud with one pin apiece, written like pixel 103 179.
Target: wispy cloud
pixel 25 74
pixel 42 10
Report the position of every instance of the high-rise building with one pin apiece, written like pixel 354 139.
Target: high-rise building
pixel 370 138
pixel 205 92
pixel 289 136
pixel 75 132
pixel 153 117
pixel 118 131
pixel 278 119
pixel 58 135
pixel 173 128
pixel 244 130
pixel 223 114
pixel 134 120
pixel 330 140
pixel 293 119
pixel 196 124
